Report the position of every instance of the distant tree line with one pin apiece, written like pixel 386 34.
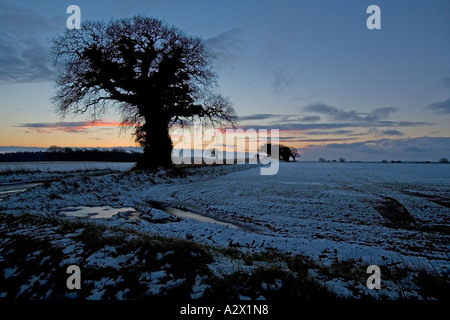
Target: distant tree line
pixel 55 153
pixel 325 160
pixel 441 160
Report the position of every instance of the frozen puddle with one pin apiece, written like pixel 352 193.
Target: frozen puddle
pixel 104 212
pixel 195 216
pixel 16 188
pixel 184 213
pixel 101 212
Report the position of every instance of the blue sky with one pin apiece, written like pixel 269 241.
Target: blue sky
pixel 309 68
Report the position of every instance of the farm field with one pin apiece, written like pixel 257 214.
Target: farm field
pixel 337 218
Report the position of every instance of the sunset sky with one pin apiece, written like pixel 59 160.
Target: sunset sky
pixel 312 69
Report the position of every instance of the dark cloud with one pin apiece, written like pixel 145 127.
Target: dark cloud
pixel 57 126
pixel 305 139
pixel 352 115
pixel 415 149
pixel 275 61
pixel 310 119
pixel 321 108
pixel 405 123
pixel 421 144
pixel 333 132
pixel 387 132
pixel 226 47
pixel 391 133
pixel 333 126
pixel 282 79
pixel 24 44
pixel 441 107
pixel 295 118
pixel 279 118
pixel 259 116
pixel 288 138
pixel 325 140
pixel 378 114
pixel 78 126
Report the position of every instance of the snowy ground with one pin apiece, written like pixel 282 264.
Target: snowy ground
pixel 327 211
pixel 51 166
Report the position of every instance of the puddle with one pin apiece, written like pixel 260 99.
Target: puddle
pixel 185 213
pixel 101 212
pixel 16 188
pixel 195 216
pixel 129 213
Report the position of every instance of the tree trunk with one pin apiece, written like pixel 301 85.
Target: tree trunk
pixel 157 144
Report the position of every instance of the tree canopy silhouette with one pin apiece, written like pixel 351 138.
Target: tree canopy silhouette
pixel 154 74
pixel 285 152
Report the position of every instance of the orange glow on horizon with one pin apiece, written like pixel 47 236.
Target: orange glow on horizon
pixel 107 134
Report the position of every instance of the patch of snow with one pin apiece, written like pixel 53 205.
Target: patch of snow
pixel 198 289
pixel 339 287
pixel 10 272
pixel 106 257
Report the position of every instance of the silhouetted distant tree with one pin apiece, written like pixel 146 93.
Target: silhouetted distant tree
pixel 285 152
pixel 443 160
pixel 341 159
pixel 53 149
pixel 294 153
pixel 153 73
pixel 322 160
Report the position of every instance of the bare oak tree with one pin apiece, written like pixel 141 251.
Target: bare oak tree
pixel 153 73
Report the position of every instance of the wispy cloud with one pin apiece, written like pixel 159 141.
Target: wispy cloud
pixel 333 132
pixel 259 116
pixel 446 82
pixel 72 127
pixel 226 47
pixel 391 132
pixel 282 79
pixel 440 107
pixel 310 119
pixel 387 132
pixel 421 144
pixel 334 126
pixel 23 44
pixel 352 115
pixel 347 125
pixel 418 149
pixel 279 118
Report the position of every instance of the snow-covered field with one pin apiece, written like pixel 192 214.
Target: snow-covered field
pixel 52 166
pixel 311 207
pixel 327 211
